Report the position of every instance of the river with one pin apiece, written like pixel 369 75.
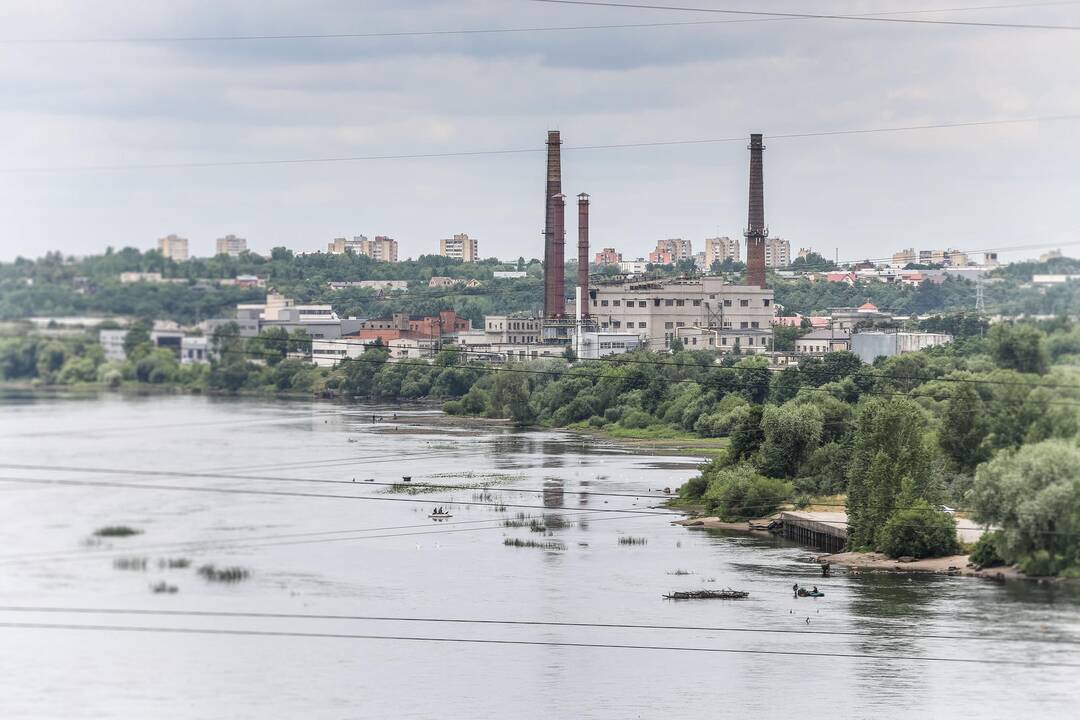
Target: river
pixel 257 484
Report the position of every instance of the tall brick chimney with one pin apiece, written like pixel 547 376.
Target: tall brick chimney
pixel 554 231
pixel 756 231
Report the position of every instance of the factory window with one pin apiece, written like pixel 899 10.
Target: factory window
pixel 629 324
pixel 753 323
pixel 669 302
pixel 697 303
pixel 616 324
pixel 744 303
pixel 604 303
pixel 616 303
pixel 641 303
pixel 656 302
pixel 668 325
pixel 767 301
pixel 641 325
pixel 712 296
pixel 743 324
pixel 680 324
pixel 680 303
pixel 727 303
pixel 723 341
pixel 693 341
pixel 594 302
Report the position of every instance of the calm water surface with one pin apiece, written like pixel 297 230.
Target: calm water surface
pixel 367 551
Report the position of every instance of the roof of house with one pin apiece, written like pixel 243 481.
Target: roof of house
pixel 827 334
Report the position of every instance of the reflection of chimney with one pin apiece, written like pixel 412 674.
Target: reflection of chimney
pixel 554 304
pixel 583 252
pixel 756 232
pixel 558 258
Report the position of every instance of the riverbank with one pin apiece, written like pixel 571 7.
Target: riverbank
pixel 869 561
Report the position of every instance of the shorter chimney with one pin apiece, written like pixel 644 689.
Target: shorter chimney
pixel 583 252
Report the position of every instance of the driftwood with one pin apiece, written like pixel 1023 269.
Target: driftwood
pixel 726 594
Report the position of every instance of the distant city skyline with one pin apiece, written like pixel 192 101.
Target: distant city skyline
pixel 72 105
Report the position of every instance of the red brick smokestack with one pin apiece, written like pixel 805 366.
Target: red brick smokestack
pixel 554 231
pixel 583 251
pixel 558 258
pixel 756 232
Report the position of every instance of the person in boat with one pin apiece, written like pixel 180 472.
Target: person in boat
pixel 814 591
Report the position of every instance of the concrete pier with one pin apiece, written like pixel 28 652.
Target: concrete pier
pixel 825 531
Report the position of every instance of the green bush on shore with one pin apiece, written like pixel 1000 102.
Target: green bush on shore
pixel 920 531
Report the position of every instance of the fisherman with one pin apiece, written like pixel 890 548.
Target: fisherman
pixel 825 568
pixel 795 589
pixel 815 590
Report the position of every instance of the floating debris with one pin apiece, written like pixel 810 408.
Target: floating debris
pixel 726 594
pixel 163 587
pixel 117 531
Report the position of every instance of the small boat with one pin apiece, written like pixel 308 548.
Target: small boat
pixel 726 594
pixel 803 592
pixel 406 478
pixel 444 515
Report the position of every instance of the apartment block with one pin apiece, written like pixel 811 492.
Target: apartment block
pixel 381 249
pixel 230 245
pixel 719 249
pixel 173 247
pixel 906 256
pixel 777 252
pixel 608 256
pixel 670 251
pixel 659 311
pixel 460 247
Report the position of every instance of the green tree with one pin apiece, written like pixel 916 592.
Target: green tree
pixel 891 465
pixel 746 434
pixel 1033 495
pixel 137 339
pixel 1019 347
pixel 964 429
pixel 791 432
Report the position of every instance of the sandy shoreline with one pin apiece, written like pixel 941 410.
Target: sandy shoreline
pixel 870 561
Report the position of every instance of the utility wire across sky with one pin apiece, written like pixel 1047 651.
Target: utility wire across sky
pixel 531 150
pixel 819 16
pixel 183 39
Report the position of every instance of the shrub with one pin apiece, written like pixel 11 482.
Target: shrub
pixel 116 531
pixel 636 419
pixel 597 422
pixel 225 575
pixel 919 531
pixel 739 493
pixel 694 488
pixel 987 552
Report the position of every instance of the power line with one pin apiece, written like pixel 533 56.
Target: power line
pixel 290 493
pixel 471 31
pixel 284 539
pixel 518 151
pixel 817 16
pixel 887 634
pixel 534 643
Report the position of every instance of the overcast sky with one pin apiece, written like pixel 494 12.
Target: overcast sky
pixel 65 105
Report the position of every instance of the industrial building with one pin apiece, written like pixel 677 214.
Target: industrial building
pixel 823 340
pixel 655 310
pixel 870 345
pixel 608 256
